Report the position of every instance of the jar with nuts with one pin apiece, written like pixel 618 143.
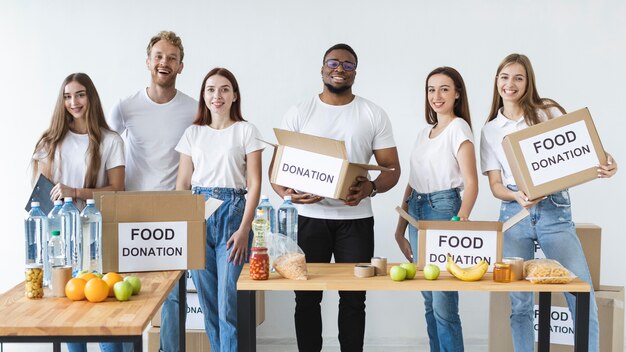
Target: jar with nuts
pixel 34 281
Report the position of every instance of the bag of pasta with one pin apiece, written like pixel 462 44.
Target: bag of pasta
pixel 286 257
pixel 547 271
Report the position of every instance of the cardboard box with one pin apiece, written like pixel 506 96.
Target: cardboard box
pixel 195 316
pixel 315 165
pixel 590 237
pixel 195 340
pixel 468 242
pixel 152 231
pixel 610 301
pixel 555 154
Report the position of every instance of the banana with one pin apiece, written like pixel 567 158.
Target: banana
pixel 473 273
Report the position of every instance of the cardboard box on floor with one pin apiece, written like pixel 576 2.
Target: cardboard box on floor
pixel 195 316
pixel 555 154
pixel 153 231
pixel 195 340
pixel 610 301
pixel 315 165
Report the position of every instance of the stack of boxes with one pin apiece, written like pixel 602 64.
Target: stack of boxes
pixel 610 301
pixel 196 337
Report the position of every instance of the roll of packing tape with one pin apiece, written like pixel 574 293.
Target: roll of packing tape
pixel 381 265
pixel 364 270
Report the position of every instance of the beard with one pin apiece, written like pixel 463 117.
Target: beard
pixel 162 81
pixel 337 90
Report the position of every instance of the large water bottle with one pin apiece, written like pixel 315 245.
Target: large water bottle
pixel 35 229
pixel 71 232
pixel 91 221
pixel 288 219
pixel 270 213
pixel 54 224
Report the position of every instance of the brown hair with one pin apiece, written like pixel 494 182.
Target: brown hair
pixel 169 37
pixel 203 117
pixel 461 105
pixel 530 101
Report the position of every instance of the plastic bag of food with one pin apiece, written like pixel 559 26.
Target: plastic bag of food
pixel 547 271
pixel 286 257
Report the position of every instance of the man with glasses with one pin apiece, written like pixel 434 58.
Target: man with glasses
pixel 329 227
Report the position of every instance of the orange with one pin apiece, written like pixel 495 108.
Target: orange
pixel 75 289
pixel 111 278
pixel 87 276
pixel 96 290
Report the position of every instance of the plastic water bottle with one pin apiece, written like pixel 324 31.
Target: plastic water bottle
pixel 35 229
pixel 56 250
pixel 54 224
pixel 288 219
pixel 270 213
pixel 91 222
pixel 71 233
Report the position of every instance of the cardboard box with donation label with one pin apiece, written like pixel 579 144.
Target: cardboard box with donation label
pixel 555 154
pixel 315 165
pixel 153 231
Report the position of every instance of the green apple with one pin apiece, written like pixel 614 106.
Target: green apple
pixel 122 290
pixel 397 273
pixel 98 274
pixel 431 272
pixel 134 282
pixel 411 269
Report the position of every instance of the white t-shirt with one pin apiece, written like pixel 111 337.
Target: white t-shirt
pixel 363 126
pixel 152 132
pixel 219 156
pixel 434 166
pixel 71 158
pixel 492 155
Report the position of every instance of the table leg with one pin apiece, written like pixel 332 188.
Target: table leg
pixel 138 344
pixel 581 328
pixel 56 347
pixel 543 338
pixel 246 321
pixel 182 311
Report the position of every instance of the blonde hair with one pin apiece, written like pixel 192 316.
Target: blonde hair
pixel 530 102
pixel 169 37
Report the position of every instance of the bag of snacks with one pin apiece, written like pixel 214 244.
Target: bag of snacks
pixel 547 271
pixel 286 257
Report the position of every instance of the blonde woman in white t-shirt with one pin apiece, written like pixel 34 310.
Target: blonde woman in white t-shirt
pixel 443 164
pixel 220 157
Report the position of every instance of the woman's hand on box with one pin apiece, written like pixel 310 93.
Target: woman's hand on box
pixel 608 170
pixel 522 199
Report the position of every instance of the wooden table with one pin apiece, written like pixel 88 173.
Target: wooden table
pixel 339 277
pixel 58 320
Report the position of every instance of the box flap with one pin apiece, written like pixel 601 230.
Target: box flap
pixel 310 143
pixel 151 206
pixel 372 167
pixel 460 225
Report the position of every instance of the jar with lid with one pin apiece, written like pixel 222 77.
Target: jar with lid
pixel 33 284
pixel 502 272
pixel 259 264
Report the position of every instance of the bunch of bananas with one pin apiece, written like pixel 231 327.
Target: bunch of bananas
pixel 473 273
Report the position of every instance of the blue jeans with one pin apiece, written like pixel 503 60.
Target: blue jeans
pixel 104 347
pixel 169 333
pixel 217 285
pixel 550 224
pixel 441 308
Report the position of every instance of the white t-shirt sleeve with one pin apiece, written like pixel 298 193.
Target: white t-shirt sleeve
pixel 184 145
pixel 460 134
pixel 116 152
pixel 252 142
pixel 384 133
pixel 290 120
pixel 488 158
pixel 115 119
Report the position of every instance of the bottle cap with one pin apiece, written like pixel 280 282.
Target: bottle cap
pixel 68 199
pixel 264 197
pixel 34 204
pixel 260 212
pixel 56 233
pixel 455 218
pixel 91 201
pixel 503 265
pixel 287 198
pixel 58 202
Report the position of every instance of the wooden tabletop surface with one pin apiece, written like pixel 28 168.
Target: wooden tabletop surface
pixel 20 316
pixel 334 277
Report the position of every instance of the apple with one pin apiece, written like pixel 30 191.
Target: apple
pixel 122 290
pixel 134 282
pixel 397 273
pixel 411 269
pixel 431 272
pixel 81 273
pixel 98 274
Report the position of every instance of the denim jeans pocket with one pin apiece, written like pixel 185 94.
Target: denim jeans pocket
pixel 444 203
pixel 560 199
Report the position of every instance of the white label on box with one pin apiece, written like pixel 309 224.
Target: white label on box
pixel 559 153
pixel 145 246
pixel 467 247
pixel 190 285
pixel 561 325
pixel 538 251
pixel 310 172
pixel 195 317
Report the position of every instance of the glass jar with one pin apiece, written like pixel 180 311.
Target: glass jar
pixel 259 264
pixel 33 284
pixel 502 272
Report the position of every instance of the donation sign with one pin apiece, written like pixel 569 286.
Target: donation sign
pixel 309 172
pixel 562 151
pixel 561 325
pixel 467 247
pixel 152 246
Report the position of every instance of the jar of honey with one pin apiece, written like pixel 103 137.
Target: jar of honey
pixel 502 272
pixel 259 263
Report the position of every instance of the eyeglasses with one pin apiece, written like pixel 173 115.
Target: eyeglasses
pixel 347 65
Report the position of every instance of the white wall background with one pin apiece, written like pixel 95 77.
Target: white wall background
pixel 275 49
